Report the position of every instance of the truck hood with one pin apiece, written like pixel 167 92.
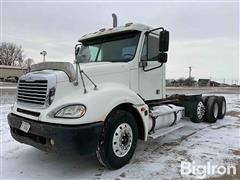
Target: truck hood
pixel 99 72
pixel 103 68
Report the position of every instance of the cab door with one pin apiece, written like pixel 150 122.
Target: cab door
pixel 151 83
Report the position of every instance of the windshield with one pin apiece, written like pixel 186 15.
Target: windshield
pixel 115 48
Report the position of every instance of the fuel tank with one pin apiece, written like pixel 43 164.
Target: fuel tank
pixel 164 116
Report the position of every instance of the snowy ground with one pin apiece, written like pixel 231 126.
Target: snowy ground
pixel 217 143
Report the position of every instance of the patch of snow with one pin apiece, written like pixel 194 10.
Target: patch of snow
pixel 154 159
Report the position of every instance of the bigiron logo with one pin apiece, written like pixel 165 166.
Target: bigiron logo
pixel 201 171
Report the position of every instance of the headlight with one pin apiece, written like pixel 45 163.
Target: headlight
pixel 71 111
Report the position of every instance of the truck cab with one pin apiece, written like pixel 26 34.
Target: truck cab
pixel 111 96
pixel 123 50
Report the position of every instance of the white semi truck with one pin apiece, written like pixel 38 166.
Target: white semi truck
pixel 113 95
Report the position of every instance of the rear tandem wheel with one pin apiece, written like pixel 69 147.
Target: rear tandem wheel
pixel 215 108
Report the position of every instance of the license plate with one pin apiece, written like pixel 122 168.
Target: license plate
pixel 25 127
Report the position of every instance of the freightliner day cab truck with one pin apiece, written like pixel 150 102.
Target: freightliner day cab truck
pixel 113 95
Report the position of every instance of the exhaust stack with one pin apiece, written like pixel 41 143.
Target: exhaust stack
pixel 114 16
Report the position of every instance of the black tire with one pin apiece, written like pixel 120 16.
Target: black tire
pixel 199 112
pixel 221 107
pixel 212 109
pixel 204 99
pixel 105 152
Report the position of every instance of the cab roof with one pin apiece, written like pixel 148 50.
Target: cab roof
pixel 127 27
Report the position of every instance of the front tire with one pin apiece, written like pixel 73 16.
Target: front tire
pixel 118 141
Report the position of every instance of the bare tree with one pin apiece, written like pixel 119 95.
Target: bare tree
pixel 180 81
pixel 11 54
pixel 189 81
pixel 28 62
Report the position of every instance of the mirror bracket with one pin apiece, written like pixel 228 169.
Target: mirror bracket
pixel 155 30
pixel 146 70
pixel 143 64
pixel 147 36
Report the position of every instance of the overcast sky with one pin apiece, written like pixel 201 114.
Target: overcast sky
pixel 202 35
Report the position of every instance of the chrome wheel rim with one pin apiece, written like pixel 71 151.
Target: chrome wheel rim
pixel 122 140
pixel 200 110
pixel 215 110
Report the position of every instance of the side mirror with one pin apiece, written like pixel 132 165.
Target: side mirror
pixel 162 57
pixel 77 49
pixel 164 41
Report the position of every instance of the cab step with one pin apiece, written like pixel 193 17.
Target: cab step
pixel 164 131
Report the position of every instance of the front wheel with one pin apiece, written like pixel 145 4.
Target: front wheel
pixel 118 141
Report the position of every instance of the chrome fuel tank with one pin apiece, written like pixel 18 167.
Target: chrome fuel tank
pixel 164 116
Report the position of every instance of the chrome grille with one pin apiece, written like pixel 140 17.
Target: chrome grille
pixel 32 91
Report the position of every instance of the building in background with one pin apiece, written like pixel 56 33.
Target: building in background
pixel 204 82
pixel 11 73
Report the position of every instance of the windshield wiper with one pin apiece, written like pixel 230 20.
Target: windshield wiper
pixel 81 72
pixel 98 52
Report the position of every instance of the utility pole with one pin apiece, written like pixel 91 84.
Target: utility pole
pixel 190 71
pixel 43 53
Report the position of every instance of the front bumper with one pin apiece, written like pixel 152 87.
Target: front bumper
pixel 55 137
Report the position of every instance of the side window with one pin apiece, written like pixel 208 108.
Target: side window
pixel 153 43
pixel 93 51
